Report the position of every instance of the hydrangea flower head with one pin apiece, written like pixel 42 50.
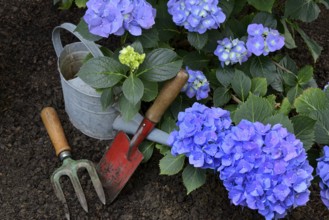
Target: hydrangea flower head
pixel 265 168
pixel 230 52
pixel 196 15
pixel 201 132
pixel 322 171
pixel 263 40
pixel 105 17
pixel 197 85
pixel 129 57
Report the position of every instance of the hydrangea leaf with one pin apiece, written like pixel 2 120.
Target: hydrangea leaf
pixel 321 126
pixel 160 65
pixel 82 29
pixel 312 99
pixel 267 19
pixel 221 96
pixel 168 124
pixel 288 71
pixel 150 91
pixel 280 119
pixel 195 60
pixel 107 97
pixel 304 10
pixel 285 107
pixel 227 7
pixel 146 148
pixel 254 109
pixel 313 46
pixel 193 178
pixel 289 40
pixel 171 165
pixel 262 5
pixel 102 72
pixel 263 67
pixel 149 38
pixel 259 86
pixel 133 89
pixel 128 110
pixel 138 47
pixel 198 41
pixel 225 75
pixel 304 130
pixel 64 4
pixel 164 23
pixel 241 84
pixel 293 93
pixel 81 3
pixel 305 74
pixel 163 149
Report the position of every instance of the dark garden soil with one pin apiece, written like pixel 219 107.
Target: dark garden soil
pixel 29 81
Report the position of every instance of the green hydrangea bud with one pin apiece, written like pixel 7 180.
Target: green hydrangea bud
pixel 129 57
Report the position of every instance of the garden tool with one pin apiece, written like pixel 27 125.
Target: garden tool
pixel 123 157
pixel 69 166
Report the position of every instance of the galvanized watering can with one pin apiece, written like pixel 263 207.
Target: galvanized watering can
pixel 82 103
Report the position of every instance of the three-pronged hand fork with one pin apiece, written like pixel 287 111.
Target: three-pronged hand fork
pixel 69 166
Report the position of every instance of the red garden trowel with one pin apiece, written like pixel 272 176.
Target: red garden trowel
pixel 123 156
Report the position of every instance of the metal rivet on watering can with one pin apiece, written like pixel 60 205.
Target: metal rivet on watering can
pixel 82 103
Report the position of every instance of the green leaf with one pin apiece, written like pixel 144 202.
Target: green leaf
pixel 285 107
pixel 159 65
pixel 102 72
pixel 288 71
pixel 259 86
pixel 65 4
pixel 289 41
pixel 241 84
pixel 168 125
pixel 312 99
pixel 146 148
pixel 133 89
pixel 195 60
pixel 81 3
pixel 304 10
pixel 227 7
pixel 170 165
pixel 193 178
pixel 271 99
pixel 262 5
pixel 107 97
pixel 263 67
pixel 267 19
pixel 225 76
pixel 149 38
pixel 128 110
pixel 221 96
pixel 280 119
pixel 304 130
pixel 322 126
pixel 163 149
pixel 150 91
pixel 138 47
pixel 313 47
pixel 293 93
pixel 305 75
pixel 198 41
pixel 82 29
pixel 254 109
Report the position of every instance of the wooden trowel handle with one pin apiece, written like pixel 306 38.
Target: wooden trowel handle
pixel 55 130
pixel 167 95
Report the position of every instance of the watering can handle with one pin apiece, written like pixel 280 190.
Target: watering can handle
pixel 57 42
pixel 55 130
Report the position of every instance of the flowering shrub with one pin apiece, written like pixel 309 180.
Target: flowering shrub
pixel 233 51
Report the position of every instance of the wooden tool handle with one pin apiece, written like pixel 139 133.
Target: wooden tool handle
pixel 167 95
pixel 55 130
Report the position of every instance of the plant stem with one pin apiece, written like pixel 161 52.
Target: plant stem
pixel 236 99
pixel 282 67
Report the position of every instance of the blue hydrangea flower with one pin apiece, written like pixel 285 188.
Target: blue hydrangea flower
pixel 265 168
pixel 197 85
pixel 105 17
pixel 201 132
pixel 326 87
pixel 231 51
pixel 322 171
pixel 263 40
pixel 196 15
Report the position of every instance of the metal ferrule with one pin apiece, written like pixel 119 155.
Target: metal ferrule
pixel 64 154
